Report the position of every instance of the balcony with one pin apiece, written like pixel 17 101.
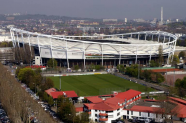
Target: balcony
pixel 103 114
pixel 103 119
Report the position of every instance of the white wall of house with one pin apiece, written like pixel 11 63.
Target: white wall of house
pixel 184 120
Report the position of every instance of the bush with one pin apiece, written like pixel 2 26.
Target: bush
pixel 132 70
pixel 154 64
pixel 76 67
pixel 121 68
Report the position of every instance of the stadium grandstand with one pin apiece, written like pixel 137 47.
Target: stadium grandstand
pixel 106 50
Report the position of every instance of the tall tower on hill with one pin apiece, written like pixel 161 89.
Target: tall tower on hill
pixel 161 14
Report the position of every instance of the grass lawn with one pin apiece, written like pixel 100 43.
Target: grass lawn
pixel 89 85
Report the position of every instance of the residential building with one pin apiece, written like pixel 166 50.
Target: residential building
pixel 110 107
pixel 129 105
pixel 110 20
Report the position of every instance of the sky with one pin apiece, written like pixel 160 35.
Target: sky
pixel 119 9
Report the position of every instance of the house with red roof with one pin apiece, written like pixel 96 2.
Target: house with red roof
pixel 103 109
pixel 69 94
pixel 125 105
pixel 50 90
pixel 55 94
pixel 180 108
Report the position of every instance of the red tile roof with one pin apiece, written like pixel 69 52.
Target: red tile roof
pixel 165 70
pixel 180 109
pixel 94 99
pixel 50 90
pixel 89 105
pixel 61 93
pixel 103 106
pixel 128 94
pixel 79 109
pixel 178 100
pixel 114 100
pixel 146 109
pixel 112 103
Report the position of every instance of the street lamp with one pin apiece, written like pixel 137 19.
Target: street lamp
pixel 60 83
pixel 138 68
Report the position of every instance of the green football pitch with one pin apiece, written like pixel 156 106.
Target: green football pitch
pixel 89 85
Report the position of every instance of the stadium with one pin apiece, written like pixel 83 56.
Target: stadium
pixel 105 50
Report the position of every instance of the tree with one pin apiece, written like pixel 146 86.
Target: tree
pixel 92 66
pixel 17 71
pixel 26 75
pixel 178 83
pixel 45 97
pixel 66 110
pixel 154 64
pixel 25 54
pixel 182 54
pixel 160 55
pixel 99 67
pixel 48 84
pixel 18 104
pixel 50 101
pixel 121 68
pixel 147 74
pixel 181 87
pixel 159 78
pixel 175 59
pixel 84 117
pixel 132 70
pixel 52 63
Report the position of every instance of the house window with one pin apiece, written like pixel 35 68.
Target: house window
pixel 139 113
pixel 118 109
pixel 148 114
pixel 131 112
pixel 96 120
pixel 109 111
pixel 127 111
pixel 95 110
pixel 118 114
pixel 96 115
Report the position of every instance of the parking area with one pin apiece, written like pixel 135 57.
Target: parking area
pixel 3 115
